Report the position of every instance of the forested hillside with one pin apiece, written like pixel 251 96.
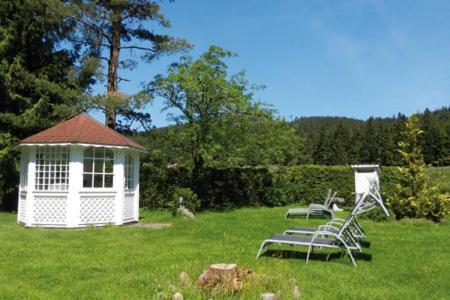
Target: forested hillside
pixel 324 140
pixel 339 141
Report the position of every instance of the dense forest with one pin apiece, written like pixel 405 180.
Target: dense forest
pixel 340 141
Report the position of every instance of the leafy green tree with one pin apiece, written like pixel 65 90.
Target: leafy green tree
pixel 222 123
pixel 255 139
pixel 413 196
pixel 115 26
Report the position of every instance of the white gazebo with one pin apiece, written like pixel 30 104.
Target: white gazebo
pixel 76 174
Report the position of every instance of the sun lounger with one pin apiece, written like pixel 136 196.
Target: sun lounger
pixel 326 236
pixel 316 209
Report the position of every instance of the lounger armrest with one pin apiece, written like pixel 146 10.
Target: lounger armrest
pixel 338 219
pixel 324 230
pixel 318 206
pixel 334 223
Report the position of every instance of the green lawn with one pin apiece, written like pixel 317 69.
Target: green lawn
pixel 404 260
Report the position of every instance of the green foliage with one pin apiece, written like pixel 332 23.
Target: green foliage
pixel 190 200
pixel 40 83
pixel 222 125
pixel 158 184
pixel 104 29
pixel 226 188
pixel 377 215
pixel 336 140
pixel 414 197
pixel 9 174
pixel 440 176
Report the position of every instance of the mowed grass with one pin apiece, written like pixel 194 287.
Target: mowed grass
pixel 408 259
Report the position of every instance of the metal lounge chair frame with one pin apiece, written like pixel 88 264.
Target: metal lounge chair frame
pixel 372 200
pixel 322 237
pixel 316 208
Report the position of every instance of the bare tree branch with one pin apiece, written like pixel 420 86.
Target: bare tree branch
pixel 138 48
pixel 92 26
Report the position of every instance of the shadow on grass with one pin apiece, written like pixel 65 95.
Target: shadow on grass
pixel 295 254
pixel 311 217
pixel 364 244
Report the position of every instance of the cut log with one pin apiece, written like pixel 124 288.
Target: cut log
pixel 224 277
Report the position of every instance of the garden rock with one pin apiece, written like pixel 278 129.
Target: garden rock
pixel 185 279
pixel 295 288
pixel 181 211
pixel 296 292
pixel 268 296
pixel 226 278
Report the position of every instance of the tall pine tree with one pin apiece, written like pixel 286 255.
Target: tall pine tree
pixel 39 83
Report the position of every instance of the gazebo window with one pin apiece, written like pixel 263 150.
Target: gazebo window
pixel 98 167
pixel 129 172
pixel 52 168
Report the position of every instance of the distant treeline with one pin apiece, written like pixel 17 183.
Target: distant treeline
pixel 324 141
pixel 340 141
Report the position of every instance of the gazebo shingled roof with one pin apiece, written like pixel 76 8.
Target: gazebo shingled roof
pixel 81 129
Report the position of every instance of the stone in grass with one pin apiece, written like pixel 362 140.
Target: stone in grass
pixel 295 288
pixel 185 213
pixel 177 296
pixel 185 279
pixel 225 278
pixel 269 296
pixel 296 292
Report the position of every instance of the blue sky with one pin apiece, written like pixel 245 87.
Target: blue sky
pixel 343 58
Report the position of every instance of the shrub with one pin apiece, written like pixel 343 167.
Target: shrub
pixel 158 183
pixel 414 197
pixel 190 200
pixel 378 215
pixel 225 188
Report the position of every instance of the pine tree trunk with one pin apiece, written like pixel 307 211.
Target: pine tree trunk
pixel 113 65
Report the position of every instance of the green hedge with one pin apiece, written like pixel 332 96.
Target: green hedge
pixel 224 188
pixel 157 185
pixel 309 183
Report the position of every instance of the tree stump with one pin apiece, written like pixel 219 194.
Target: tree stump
pixel 224 277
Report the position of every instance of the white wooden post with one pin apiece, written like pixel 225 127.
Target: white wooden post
pixel 136 192
pixel 31 186
pixel 75 185
pixel 119 185
pixel 24 159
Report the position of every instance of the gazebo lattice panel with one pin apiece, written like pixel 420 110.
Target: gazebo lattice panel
pixel 128 207
pixel 96 209
pixel 50 210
